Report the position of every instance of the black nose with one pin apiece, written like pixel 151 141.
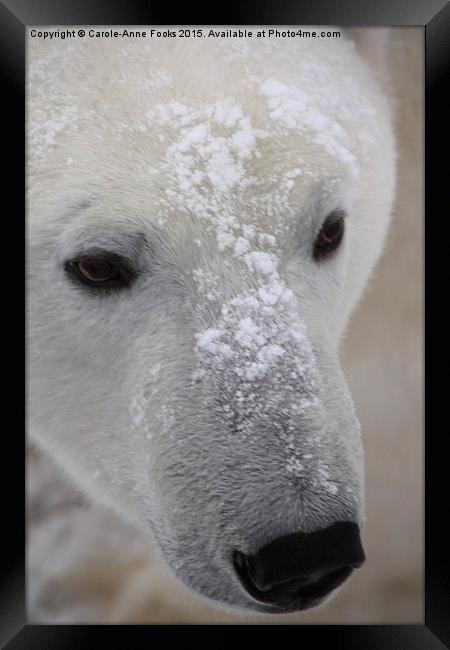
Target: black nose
pixel 291 572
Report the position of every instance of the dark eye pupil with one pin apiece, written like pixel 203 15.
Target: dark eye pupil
pixel 97 270
pixel 332 231
pixel 101 270
pixel 330 236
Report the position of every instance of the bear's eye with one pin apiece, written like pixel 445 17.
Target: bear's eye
pixel 330 235
pixel 101 270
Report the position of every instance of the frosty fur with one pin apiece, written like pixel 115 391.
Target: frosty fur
pixel 206 403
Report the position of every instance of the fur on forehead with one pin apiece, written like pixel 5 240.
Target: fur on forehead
pixel 292 102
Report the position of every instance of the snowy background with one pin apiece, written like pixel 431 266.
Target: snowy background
pixel 86 566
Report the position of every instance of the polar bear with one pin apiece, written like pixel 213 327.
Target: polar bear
pixel 203 216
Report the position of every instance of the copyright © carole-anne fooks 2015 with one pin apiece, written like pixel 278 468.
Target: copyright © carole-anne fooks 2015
pixel 181 33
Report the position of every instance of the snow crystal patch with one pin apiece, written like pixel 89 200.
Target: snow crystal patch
pixel 293 108
pixel 43 133
pixel 294 466
pixel 248 333
pixel 194 136
pixel 257 354
pixel 287 104
pixel 139 403
pixel 323 478
pixel 205 339
pixel 225 239
pixel 207 284
pixel 138 412
pixel 210 146
pixel 227 112
pixel 266 240
pixel 248 231
pixel 267 297
pixel 167 417
pixel 264 262
pixel 155 370
pixel 256 336
pixel 271 352
pixel 202 145
pixel 241 246
pixel 179 109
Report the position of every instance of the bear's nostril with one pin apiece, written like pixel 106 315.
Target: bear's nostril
pixel 239 560
pixel 292 569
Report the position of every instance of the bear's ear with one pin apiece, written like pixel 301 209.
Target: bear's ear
pixel 374 45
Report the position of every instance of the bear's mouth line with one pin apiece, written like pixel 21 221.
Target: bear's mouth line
pixel 299 596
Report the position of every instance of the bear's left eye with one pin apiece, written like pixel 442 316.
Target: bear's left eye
pixel 330 235
pixel 101 270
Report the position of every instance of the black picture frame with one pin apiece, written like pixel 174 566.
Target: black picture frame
pixel 434 16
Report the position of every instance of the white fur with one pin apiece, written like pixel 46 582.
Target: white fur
pixel 206 402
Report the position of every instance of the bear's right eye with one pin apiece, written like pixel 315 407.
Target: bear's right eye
pixel 100 270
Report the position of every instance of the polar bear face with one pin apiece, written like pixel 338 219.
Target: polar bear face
pixel 202 220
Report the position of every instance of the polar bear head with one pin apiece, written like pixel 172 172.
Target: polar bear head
pixel 203 216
